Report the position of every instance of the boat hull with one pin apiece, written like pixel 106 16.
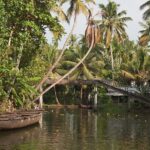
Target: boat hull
pixel 19 120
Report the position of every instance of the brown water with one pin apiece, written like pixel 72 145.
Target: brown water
pixel 65 129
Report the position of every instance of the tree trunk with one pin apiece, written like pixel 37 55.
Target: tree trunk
pixel 19 57
pixel 69 72
pixel 60 56
pixel 112 58
pixel 112 62
pixel 10 38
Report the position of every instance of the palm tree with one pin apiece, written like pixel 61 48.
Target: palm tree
pixel 145 34
pixel 146 14
pixel 91 34
pixel 76 7
pixel 137 65
pixel 112 25
pixel 60 13
pixel 121 52
pixel 91 68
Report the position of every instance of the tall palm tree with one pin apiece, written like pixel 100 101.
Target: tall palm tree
pixel 112 25
pixel 145 33
pixel 146 14
pixel 76 7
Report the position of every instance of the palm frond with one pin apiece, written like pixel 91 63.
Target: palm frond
pixel 146 14
pixel 61 13
pixel 145 4
pixel 127 74
pixel 69 63
pixel 87 73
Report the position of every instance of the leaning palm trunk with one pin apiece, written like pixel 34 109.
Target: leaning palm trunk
pixel 59 58
pixel 67 74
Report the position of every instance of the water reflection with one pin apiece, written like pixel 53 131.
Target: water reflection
pixel 65 129
pixel 10 139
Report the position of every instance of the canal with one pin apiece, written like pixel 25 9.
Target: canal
pixel 79 129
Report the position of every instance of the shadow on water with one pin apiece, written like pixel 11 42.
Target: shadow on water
pixel 8 139
pixel 78 129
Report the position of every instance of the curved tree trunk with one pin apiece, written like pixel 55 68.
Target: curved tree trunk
pixel 60 56
pixel 69 72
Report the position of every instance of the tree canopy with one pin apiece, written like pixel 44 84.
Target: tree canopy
pixel 28 60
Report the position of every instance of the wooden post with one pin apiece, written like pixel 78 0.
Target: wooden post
pixel 41 98
pixel 89 98
pixel 81 94
pixel 95 97
pixel 131 101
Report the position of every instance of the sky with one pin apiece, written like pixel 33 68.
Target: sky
pixel 133 27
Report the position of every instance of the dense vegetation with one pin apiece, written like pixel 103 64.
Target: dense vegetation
pixel 27 60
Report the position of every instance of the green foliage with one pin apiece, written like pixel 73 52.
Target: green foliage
pixel 113 23
pixel 91 68
pixel 25 55
pixel 22 40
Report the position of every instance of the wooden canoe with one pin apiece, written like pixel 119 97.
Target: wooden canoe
pixel 85 106
pixel 19 119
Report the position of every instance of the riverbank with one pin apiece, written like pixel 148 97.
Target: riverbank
pixel 60 106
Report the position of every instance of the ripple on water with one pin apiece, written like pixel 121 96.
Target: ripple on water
pixel 81 130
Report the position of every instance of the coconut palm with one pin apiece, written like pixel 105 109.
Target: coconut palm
pixel 60 12
pixel 76 7
pixel 122 51
pixel 91 68
pixel 145 34
pixel 91 34
pixel 146 14
pixel 137 65
pixel 112 25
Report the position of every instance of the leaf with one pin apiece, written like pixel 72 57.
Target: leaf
pixel 87 73
pixel 127 75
